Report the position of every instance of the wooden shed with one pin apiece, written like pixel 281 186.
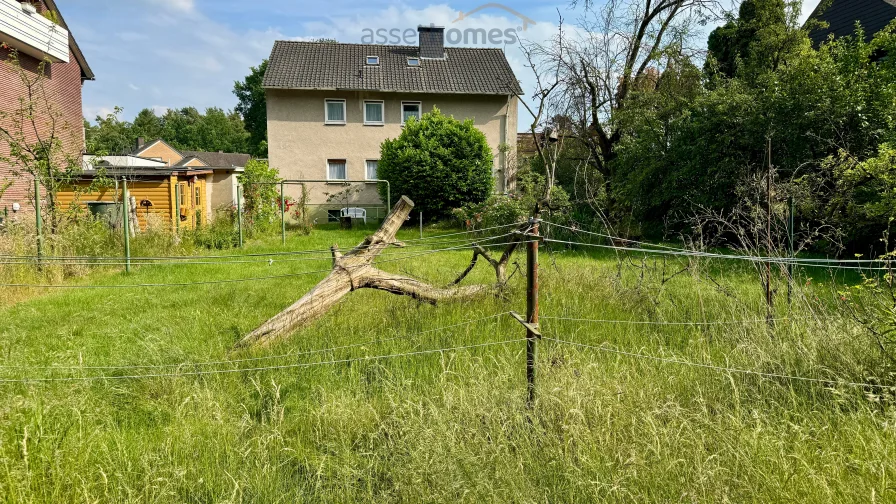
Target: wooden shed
pixel 176 196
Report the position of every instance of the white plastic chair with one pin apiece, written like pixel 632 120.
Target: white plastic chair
pixel 354 213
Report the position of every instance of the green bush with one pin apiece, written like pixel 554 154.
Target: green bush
pixel 260 194
pixel 438 162
pixel 500 209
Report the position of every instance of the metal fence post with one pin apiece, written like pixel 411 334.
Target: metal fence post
pixel 282 215
pixel 125 206
pixel 532 312
pixel 421 224
pixel 790 246
pixel 39 222
pixel 239 212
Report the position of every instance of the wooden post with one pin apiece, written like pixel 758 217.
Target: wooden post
pixel 239 212
pixel 39 223
pixel 531 313
pixel 125 203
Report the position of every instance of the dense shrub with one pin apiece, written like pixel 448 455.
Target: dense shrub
pixel 438 162
pixel 261 205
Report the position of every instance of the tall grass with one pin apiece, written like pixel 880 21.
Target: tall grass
pixel 448 426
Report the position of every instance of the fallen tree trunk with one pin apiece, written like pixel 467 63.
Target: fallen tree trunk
pixel 354 270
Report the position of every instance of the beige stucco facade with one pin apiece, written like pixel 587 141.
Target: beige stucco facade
pixel 300 143
pixel 220 190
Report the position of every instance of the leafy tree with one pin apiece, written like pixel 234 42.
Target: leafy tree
pixel 147 125
pixel 438 162
pixel 761 35
pixel 252 106
pixel 185 128
pixel 110 135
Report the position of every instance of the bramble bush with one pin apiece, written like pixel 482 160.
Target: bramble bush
pixel 438 162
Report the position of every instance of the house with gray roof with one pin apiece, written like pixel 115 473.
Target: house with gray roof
pixel 331 105
pixel 839 18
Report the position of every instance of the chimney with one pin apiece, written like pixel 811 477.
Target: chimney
pixel 140 142
pixel 432 41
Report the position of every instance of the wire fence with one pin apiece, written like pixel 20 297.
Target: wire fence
pixel 185 369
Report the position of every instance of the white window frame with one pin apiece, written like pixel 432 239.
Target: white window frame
pixel 327 120
pixel 382 109
pixel 415 64
pixel 419 109
pixel 345 162
pixel 367 174
pixel 375 58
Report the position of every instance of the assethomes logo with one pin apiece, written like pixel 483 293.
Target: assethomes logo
pixel 525 20
pixel 454 36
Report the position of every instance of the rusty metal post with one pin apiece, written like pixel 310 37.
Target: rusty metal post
pixel 532 312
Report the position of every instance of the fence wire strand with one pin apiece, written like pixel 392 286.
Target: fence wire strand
pixel 668 360
pixel 254 359
pixel 252 369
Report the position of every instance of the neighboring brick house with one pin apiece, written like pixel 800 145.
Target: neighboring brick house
pixel 29 28
pixel 331 105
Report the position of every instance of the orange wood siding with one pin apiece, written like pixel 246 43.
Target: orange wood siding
pixel 158 192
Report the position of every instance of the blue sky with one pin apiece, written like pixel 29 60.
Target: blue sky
pixel 175 53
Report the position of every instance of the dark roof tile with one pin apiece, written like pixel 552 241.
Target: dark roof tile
pixel 322 65
pixel 842 16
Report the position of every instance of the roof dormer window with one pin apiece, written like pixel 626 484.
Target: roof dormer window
pixel 413 61
pixel 373 60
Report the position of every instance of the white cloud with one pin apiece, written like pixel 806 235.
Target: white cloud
pixel 176 5
pixel 91 112
pixel 133 86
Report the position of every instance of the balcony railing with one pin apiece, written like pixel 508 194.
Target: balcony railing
pixel 31 33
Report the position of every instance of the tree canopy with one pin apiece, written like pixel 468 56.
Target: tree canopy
pixel 252 106
pixel 186 128
pixel 439 162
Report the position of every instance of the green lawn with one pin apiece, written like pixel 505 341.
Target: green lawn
pixel 447 426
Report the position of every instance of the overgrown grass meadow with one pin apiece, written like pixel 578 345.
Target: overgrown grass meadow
pixel 449 426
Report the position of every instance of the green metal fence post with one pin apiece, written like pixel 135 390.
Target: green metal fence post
pixel 39 222
pixel 282 214
pixel 790 232
pixel 239 212
pixel 126 210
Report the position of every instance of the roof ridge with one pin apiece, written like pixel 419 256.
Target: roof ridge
pixel 400 46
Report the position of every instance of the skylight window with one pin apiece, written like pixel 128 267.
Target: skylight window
pixel 413 61
pixel 373 60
